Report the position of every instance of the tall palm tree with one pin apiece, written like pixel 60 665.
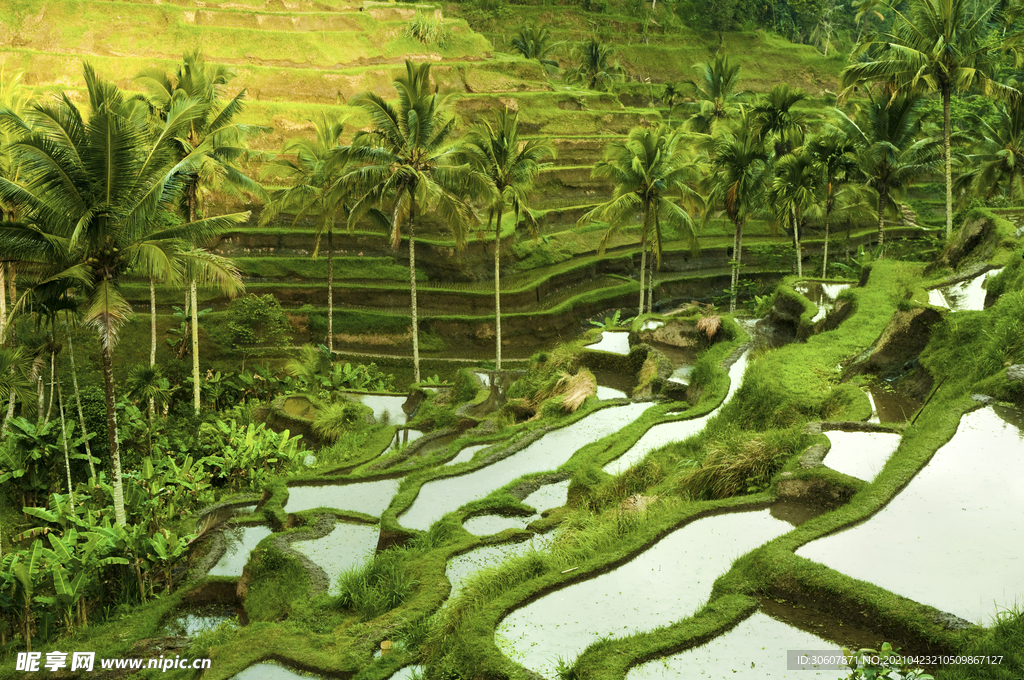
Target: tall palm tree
pixel 939 46
pixel 793 190
pixel 651 170
pixel 891 152
pixel 510 166
pixel 407 159
pixel 221 137
pixel 535 43
pixel 739 173
pixel 96 190
pixel 716 99
pixel 316 170
pixel 776 118
pixel 832 156
pixel 594 66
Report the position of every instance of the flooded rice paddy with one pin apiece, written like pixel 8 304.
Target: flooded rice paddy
pixel 822 294
pixel 466 454
pixel 548 496
pixel 860 454
pixel 439 497
pixel 965 296
pixel 191 620
pixel 385 407
pixel 462 567
pixel 240 541
pixel 485 525
pixel 662 434
pixel 347 546
pixel 271 671
pixel 663 584
pixel 753 650
pixel 615 342
pixel 368 497
pixel 952 538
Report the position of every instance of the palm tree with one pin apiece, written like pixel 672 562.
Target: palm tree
pixel 939 46
pixel 997 167
pixel 793 190
pixel 649 169
pixel 739 172
pixel 832 156
pixel 716 100
pixel 222 139
pixel 775 117
pixel 594 68
pixel 889 153
pixel 510 165
pixel 535 43
pixel 406 160
pixel 867 9
pixel 316 171
pixel 96 191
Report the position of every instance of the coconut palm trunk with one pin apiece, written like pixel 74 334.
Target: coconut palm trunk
pixel 643 259
pixel 737 243
pixel 949 165
pixel 78 404
pixel 195 346
pixel 796 242
pixel 883 196
pixel 412 287
pixel 152 338
pixel 64 441
pixel 330 287
pixel 112 439
pixel 3 303
pixel 497 288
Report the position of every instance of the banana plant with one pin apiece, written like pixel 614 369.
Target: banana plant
pixel 167 549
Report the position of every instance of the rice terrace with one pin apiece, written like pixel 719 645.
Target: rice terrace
pixel 493 340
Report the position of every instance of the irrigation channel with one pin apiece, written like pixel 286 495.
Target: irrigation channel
pixel 975 474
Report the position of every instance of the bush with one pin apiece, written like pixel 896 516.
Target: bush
pixel 257 321
pixel 429 30
pixel 380 585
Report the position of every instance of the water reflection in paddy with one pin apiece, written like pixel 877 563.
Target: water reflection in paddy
pixel 860 454
pixel 408 673
pixel 967 295
pixel 666 583
pixel 753 650
pixel 548 496
pixel 271 671
pixel 957 524
pixel 615 342
pixel 485 525
pixel 440 497
pixel 385 404
pixel 822 294
pixel 891 406
pixel 240 542
pixel 461 567
pixel 662 434
pixel 466 454
pixel 347 546
pixel 191 620
pixel 369 497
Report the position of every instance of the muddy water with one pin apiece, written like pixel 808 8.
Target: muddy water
pixel 666 583
pixel 860 454
pixel 191 620
pixel 662 434
pixel 485 525
pixel 888 406
pixel 967 295
pixel 952 538
pixel 240 542
pixel 822 294
pixel 466 454
pixel 271 671
pixel 440 497
pixel 548 496
pixel 753 650
pixel 462 567
pixel 300 407
pixel 613 342
pixel 369 497
pixel 381 404
pixel 347 546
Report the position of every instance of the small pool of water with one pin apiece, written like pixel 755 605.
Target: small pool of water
pixel 666 583
pixel 271 671
pixel 754 650
pixel 466 454
pixel 462 567
pixel 681 357
pixel 662 434
pixel 652 324
pixel 822 294
pixel 613 384
pixel 615 342
pixel 681 375
pixel 371 498
pixel 952 538
pixel 891 406
pixel 486 525
pixel 860 454
pixel 347 546
pixel 967 295
pixel 442 496
pixel 240 542
pixel 191 620
pixel 384 404
pixel 409 673
pixel 404 437
pixel 300 407
pixel 548 496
